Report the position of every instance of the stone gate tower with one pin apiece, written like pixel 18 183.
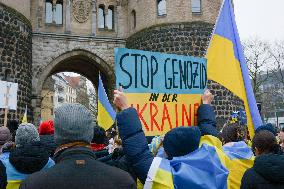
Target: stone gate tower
pixel 180 27
pixel 80 36
pixel 16 52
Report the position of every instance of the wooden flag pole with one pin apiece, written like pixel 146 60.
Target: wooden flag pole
pixel 6 105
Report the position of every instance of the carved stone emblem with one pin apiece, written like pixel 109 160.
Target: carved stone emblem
pixel 81 10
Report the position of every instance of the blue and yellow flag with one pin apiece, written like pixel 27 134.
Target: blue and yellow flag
pixel 106 114
pixel 227 65
pixel 25 117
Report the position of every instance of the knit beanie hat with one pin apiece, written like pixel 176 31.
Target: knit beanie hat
pixel 267 127
pixel 181 141
pixel 46 128
pixel 99 135
pixel 26 134
pixel 73 123
pixel 5 135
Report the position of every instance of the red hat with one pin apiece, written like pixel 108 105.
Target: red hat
pixel 46 128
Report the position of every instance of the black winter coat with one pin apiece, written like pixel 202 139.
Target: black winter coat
pixel 26 159
pixel 3 176
pixel 48 143
pixel 118 159
pixel 77 168
pixel 266 173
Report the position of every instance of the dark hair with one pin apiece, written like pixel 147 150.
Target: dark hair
pixel 265 142
pixel 13 126
pixel 99 135
pixel 233 132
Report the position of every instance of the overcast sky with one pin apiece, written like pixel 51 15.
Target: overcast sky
pixel 263 18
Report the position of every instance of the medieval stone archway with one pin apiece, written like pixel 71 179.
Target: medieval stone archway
pixel 79 61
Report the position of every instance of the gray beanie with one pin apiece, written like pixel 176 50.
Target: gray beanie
pixel 26 134
pixel 5 135
pixel 73 123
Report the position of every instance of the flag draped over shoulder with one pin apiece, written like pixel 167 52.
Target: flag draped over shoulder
pixel 227 65
pixel 106 114
pixel 25 117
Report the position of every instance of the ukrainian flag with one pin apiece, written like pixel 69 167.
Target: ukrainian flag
pixel 25 117
pixel 106 114
pixel 227 65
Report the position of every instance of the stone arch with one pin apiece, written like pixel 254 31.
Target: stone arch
pixel 79 61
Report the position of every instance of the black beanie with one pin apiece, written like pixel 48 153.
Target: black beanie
pixel 181 141
pixel 267 127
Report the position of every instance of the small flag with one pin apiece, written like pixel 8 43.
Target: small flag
pixel 106 114
pixel 227 65
pixel 25 118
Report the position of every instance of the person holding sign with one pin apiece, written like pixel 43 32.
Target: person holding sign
pixel 193 153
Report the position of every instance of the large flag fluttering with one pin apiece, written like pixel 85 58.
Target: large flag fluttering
pixel 106 114
pixel 227 65
pixel 25 117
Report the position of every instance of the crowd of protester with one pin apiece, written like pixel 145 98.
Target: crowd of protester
pixel 72 152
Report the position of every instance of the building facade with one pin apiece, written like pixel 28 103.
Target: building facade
pixel 81 35
pixel 59 89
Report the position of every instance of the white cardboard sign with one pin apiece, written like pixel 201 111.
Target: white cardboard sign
pixel 12 101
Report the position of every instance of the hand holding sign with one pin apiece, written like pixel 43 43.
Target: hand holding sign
pixel 120 100
pixel 207 97
pixel 165 89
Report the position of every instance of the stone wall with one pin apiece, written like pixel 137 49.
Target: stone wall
pixel 21 6
pixel 48 47
pixel 53 53
pixel 187 39
pixel 16 57
pixel 177 11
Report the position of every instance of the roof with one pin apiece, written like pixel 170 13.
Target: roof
pixel 73 81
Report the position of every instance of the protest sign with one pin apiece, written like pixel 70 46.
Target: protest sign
pixel 164 88
pixel 12 95
pixel 8 97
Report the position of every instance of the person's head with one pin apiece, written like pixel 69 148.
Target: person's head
pixel 264 142
pixel 281 138
pixel 46 128
pixel 117 142
pixel 5 135
pixel 266 127
pixel 181 141
pixel 73 123
pixel 13 126
pixel 233 133
pixel 26 134
pixel 99 135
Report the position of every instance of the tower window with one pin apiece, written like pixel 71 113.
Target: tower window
pixel 110 18
pixel 133 16
pixel 196 6
pixel 101 16
pixel 162 7
pixel 58 15
pixel 48 11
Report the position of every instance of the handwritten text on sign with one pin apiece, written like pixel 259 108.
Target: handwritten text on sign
pixel 164 88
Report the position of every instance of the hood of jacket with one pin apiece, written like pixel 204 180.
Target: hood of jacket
pixel 73 152
pixel 270 167
pixel 238 150
pixel 203 162
pixel 29 158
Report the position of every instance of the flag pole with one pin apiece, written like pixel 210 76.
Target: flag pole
pixel 6 105
pixel 215 26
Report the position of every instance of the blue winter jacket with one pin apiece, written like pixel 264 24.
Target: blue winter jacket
pixel 135 143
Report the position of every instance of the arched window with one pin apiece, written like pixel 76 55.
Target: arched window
pixel 196 6
pixel 101 16
pixel 110 18
pixel 162 7
pixel 48 11
pixel 58 15
pixel 133 16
